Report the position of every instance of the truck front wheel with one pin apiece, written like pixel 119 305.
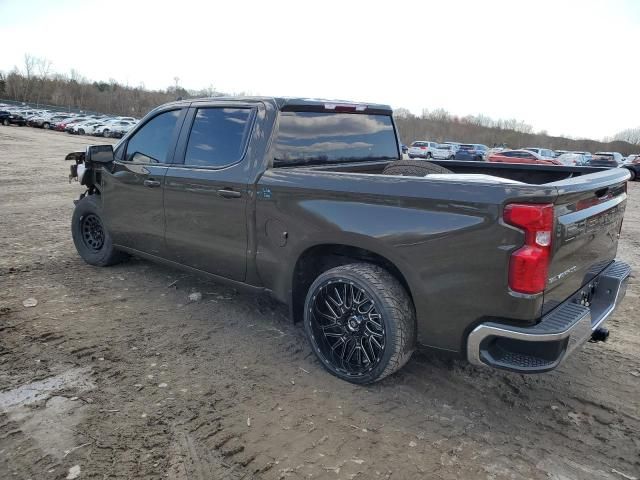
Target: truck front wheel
pixel 91 238
pixel 360 322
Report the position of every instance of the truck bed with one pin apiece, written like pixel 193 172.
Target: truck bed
pixel 449 237
pixel 531 174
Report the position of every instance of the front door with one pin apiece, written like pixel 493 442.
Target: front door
pixel 206 191
pixel 134 192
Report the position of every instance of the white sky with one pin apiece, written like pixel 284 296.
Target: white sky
pixel 569 67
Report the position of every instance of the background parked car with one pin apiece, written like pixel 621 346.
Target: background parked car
pixel 587 155
pixel 603 159
pixel 445 151
pixel 543 152
pixel 472 151
pixel 50 122
pixel 120 128
pixel 632 163
pixel 60 124
pixel 7 118
pixel 521 156
pixel 422 149
pixel 606 159
pixel 85 128
pixel 573 159
pixel 12 118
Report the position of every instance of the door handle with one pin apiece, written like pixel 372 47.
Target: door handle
pixel 151 183
pixel 225 193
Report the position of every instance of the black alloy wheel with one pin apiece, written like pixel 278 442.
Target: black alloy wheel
pixel 360 322
pixel 348 327
pixel 92 232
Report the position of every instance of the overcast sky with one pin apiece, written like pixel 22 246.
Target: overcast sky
pixel 568 67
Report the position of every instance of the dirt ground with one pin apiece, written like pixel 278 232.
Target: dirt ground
pixel 116 374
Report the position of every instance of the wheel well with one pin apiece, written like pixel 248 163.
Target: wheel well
pixel 321 258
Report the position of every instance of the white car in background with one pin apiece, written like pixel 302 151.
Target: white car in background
pixel 573 159
pixel 445 151
pixel 120 128
pixel 543 152
pixel 107 127
pixel 422 149
pixel 86 128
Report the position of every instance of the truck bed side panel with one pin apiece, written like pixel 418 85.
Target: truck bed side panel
pixel 446 239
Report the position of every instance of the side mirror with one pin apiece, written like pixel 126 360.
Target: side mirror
pixel 99 154
pixel 77 156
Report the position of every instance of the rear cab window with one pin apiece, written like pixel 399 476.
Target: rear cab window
pixel 306 137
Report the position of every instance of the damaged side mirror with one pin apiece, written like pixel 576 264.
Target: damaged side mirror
pixel 77 156
pixel 99 154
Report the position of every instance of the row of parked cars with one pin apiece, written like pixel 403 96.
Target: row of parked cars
pixel 96 125
pixel 426 149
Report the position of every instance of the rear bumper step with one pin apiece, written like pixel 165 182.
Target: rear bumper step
pixel 544 346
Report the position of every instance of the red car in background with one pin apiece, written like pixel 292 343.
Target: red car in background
pixel 521 156
pixel 63 124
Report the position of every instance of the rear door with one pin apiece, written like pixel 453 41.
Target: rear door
pixel 206 190
pixel 588 221
pixel 133 193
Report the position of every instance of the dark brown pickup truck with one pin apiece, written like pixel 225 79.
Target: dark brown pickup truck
pixel 510 266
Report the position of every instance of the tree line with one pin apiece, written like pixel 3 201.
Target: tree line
pixel 35 83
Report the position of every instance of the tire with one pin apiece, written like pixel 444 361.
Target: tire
pixel 411 157
pixel 105 133
pixel 91 239
pixel 429 155
pixel 46 125
pixel 5 122
pixel 350 349
pixel 413 168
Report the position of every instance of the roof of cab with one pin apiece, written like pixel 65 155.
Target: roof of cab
pixel 282 102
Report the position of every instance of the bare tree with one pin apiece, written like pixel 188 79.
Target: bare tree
pixel 631 135
pixel 44 68
pixel 29 68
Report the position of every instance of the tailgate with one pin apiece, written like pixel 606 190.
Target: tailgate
pixel 588 218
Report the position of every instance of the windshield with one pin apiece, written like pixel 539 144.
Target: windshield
pixel 319 137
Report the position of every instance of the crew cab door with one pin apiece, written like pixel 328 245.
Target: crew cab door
pixel 206 191
pixel 133 193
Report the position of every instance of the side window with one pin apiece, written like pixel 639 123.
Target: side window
pixel 150 144
pixel 218 137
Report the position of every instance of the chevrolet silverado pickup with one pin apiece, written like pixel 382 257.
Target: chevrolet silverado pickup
pixel 510 266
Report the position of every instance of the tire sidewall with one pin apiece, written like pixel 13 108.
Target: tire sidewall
pixel 387 318
pixel 91 205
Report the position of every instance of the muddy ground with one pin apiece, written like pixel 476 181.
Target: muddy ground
pixel 115 374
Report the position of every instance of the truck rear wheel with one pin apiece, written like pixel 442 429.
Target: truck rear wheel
pixel 91 238
pixel 360 322
pixel 413 168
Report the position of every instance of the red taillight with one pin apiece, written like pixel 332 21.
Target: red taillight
pixel 423 148
pixel 529 265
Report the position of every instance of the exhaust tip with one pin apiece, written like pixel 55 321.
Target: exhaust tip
pixel 600 334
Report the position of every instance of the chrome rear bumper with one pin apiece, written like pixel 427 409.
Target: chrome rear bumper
pixel 544 346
